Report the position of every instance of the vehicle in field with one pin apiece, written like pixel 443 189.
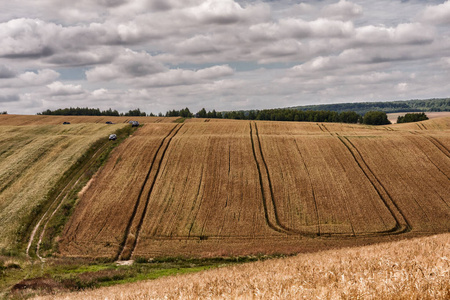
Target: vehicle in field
pixel 65 123
pixel 109 122
pixel 134 123
pixel 112 137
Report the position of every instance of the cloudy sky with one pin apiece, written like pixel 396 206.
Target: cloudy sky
pixel 219 54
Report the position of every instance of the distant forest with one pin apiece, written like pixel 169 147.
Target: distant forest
pixel 85 111
pixel 387 107
pixel 367 112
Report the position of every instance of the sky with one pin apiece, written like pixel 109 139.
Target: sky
pixel 159 55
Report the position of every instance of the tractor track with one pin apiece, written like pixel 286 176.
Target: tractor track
pixel 392 207
pixel 137 217
pixel 438 145
pixel 316 209
pixel 429 158
pixel 267 189
pixel 272 224
pixel 402 224
pixel 59 199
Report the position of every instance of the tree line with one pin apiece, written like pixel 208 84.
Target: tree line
pixel 282 114
pixel 442 104
pixel 407 118
pixel 85 111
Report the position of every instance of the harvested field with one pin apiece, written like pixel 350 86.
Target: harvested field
pixel 106 210
pixel 241 187
pixel 32 159
pixel 409 269
pixel 431 115
pixel 55 120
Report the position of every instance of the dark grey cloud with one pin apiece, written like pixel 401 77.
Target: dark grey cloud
pixel 9 98
pixel 6 72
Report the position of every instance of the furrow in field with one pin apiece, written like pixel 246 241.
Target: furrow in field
pixel 439 161
pixel 32 152
pixel 272 203
pixel 318 187
pixel 418 189
pixel 265 184
pixel 402 224
pixel 208 190
pixel 316 210
pixel 105 209
pixel 135 223
pixel 439 145
pixel 59 199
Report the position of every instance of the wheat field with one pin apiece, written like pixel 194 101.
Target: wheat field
pixel 244 187
pixel 18 120
pixel 32 159
pixel 409 269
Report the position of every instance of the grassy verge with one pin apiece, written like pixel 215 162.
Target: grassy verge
pixel 77 274
pixel 179 120
pixel 83 168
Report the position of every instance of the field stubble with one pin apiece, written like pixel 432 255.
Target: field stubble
pixel 220 188
pixel 32 159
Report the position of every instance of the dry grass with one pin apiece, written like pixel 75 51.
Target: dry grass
pixel 409 269
pixel 32 159
pixel 55 120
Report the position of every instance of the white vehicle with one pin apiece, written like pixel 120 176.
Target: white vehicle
pixel 112 137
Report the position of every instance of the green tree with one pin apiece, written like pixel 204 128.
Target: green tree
pixel 407 118
pixel 376 118
pixel 201 113
pixel 186 113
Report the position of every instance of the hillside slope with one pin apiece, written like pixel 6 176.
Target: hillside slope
pixel 32 159
pixel 408 269
pixel 238 188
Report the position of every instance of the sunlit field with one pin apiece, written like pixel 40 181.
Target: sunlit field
pixel 409 269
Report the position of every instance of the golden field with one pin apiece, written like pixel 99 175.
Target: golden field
pixel 35 151
pixel 55 120
pixel 32 159
pixel 407 269
pixel 243 187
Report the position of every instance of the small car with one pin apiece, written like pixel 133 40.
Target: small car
pixel 65 123
pixel 109 122
pixel 112 137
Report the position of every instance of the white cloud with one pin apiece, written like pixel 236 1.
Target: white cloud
pixel 343 10
pixel 42 77
pixel 26 38
pixel 29 79
pixel 438 14
pixel 128 64
pixel 57 88
pixel 178 77
pixel 410 33
pixel 222 54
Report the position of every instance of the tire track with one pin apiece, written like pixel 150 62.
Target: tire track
pixel 270 208
pixel 59 199
pixel 439 145
pixel 135 223
pixel 312 188
pixel 266 191
pixel 429 158
pixel 402 225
